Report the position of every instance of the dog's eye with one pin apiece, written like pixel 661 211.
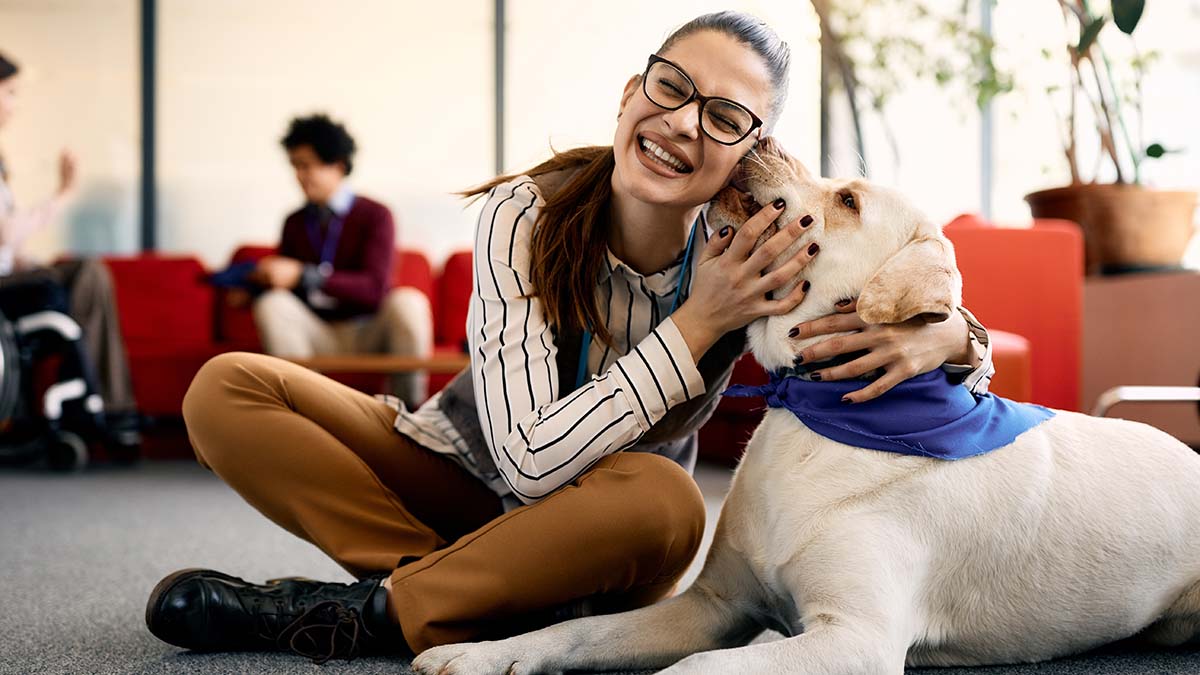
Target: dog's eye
pixel 848 201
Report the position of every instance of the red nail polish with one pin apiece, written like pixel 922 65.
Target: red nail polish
pixel 806 221
pixel 805 286
pixel 793 333
pixel 812 250
pixel 779 203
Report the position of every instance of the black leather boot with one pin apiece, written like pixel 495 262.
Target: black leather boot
pixel 206 610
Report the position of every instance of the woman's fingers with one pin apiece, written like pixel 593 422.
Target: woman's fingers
pixel 876 388
pixel 788 303
pixel 717 243
pixel 779 242
pixel 787 272
pixel 867 363
pixel 748 234
pixel 832 323
pixel 836 346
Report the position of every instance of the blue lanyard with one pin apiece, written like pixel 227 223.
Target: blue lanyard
pixel 685 278
pixel 327 248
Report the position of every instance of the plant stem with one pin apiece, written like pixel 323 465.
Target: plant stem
pixel 1106 129
pixel 1134 151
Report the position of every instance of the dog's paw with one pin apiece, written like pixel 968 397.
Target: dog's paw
pixel 481 658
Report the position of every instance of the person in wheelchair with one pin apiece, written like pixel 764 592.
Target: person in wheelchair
pixel 81 289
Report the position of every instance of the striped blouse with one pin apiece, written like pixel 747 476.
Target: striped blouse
pixel 538 441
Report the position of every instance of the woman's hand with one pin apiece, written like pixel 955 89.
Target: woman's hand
pixel 730 288
pixel 68 170
pixel 902 350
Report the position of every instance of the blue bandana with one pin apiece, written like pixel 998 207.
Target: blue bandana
pixel 926 415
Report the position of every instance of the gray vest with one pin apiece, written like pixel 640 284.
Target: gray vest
pixel 673 436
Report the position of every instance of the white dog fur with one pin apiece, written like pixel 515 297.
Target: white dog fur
pixel 1080 532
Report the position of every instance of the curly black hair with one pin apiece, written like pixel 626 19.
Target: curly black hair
pixel 327 138
pixel 7 68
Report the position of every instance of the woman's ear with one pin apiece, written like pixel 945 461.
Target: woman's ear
pixel 631 88
pixel 919 280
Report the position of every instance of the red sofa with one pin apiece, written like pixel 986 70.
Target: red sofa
pixel 235 327
pixel 174 320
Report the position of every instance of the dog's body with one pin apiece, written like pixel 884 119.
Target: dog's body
pixel 1080 532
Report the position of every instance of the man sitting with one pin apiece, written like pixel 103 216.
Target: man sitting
pixel 329 284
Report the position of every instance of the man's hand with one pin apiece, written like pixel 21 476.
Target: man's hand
pixel 276 271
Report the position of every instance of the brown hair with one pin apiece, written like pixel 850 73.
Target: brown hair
pixel 570 237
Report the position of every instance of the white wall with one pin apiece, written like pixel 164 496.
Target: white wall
pixel 78 89
pixel 569 61
pixel 411 80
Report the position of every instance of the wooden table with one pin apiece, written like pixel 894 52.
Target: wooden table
pixel 385 363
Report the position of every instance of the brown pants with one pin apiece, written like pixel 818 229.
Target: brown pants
pixel 323 461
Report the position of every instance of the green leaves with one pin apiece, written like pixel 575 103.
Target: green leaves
pixel 1127 13
pixel 1089 34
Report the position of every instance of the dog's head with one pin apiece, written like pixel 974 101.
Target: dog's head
pixel 874 245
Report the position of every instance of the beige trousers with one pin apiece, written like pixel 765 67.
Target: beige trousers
pixel 403 326
pixel 324 462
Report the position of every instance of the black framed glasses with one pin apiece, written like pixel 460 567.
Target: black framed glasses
pixel 723 120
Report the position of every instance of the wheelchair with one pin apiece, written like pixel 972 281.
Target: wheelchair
pixel 54 422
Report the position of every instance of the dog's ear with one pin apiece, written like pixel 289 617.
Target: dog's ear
pixel 919 280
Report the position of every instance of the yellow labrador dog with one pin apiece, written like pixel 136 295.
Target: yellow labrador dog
pixel 1079 532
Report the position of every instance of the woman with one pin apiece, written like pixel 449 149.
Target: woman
pixel 85 284
pixel 604 324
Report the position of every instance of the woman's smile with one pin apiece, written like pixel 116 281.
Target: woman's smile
pixel 661 156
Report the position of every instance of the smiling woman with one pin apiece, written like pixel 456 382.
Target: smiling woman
pixel 551 479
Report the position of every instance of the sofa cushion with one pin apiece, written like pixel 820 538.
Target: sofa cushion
pixel 163 298
pixel 454 300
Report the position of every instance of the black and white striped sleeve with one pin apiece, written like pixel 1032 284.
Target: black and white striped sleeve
pixel 539 442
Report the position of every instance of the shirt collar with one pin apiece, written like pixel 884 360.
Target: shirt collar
pixel 341 201
pixel 664 281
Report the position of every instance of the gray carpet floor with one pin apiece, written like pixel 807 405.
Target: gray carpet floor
pixel 80 553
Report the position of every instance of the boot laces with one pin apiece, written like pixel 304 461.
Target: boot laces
pixel 326 631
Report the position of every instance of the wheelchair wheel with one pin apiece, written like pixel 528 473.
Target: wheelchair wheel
pixel 66 452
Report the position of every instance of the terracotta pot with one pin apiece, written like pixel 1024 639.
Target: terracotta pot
pixel 1125 227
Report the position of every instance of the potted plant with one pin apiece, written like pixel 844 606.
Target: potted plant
pixel 1127 226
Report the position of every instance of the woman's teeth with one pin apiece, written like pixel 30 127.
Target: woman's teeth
pixel 655 152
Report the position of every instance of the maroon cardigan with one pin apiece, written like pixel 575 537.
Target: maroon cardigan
pixel 362 264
